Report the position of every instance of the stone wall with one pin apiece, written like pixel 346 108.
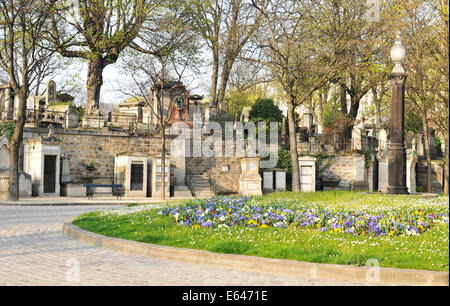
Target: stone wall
pixel 79 147
pixel 226 181
pixel 349 168
pixel 436 175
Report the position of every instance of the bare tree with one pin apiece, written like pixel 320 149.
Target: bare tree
pixel 290 54
pixel 22 23
pixel 153 72
pixel 421 87
pixel 226 26
pixel 359 46
pixel 244 80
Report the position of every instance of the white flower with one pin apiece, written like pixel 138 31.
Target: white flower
pixel 223 226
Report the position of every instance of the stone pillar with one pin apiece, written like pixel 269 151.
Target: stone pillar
pixel 307 169
pixel 397 151
pixel 250 180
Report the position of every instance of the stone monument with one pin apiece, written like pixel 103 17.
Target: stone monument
pixel 250 180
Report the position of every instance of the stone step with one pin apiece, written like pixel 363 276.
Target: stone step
pixel 201 184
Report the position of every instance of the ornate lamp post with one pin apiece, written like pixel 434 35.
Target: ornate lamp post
pixel 397 151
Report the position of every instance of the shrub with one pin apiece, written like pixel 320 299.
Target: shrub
pixel 265 110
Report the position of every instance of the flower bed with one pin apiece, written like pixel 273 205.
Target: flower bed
pixel 239 211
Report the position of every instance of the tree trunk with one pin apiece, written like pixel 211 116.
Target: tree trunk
pixel 224 81
pixel 293 146
pixel 163 163
pixel 343 96
pixel 426 136
pixel 94 84
pixel 446 167
pixel 14 151
pixel 215 77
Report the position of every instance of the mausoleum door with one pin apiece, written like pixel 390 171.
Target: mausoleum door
pixel 137 177
pixel 49 174
pixel 306 178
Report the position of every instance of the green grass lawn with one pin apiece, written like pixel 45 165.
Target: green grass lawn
pixel 427 251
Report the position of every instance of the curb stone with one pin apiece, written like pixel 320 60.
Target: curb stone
pixel 386 276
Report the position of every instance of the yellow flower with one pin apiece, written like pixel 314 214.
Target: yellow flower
pixel 195 226
pixel 252 222
pixel 264 226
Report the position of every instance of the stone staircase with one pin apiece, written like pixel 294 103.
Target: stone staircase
pixel 198 177
pixel 201 187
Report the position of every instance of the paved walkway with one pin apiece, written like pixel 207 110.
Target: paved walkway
pixel 33 251
pixel 80 201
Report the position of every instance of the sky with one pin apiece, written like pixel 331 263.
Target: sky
pixel 74 78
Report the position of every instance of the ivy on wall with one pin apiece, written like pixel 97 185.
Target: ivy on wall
pixel 285 162
pixel 10 127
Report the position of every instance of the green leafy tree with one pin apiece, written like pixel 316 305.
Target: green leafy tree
pixel 265 110
pixel 97 31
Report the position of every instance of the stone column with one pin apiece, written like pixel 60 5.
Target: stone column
pixel 397 151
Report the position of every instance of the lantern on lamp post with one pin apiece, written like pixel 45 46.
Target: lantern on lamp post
pixel 397 150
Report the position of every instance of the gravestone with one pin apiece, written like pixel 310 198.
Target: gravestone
pixel 419 146
pixel 280 179
pixel 307 169
pixel 50 95
pixel 268 180
pixel 250 180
